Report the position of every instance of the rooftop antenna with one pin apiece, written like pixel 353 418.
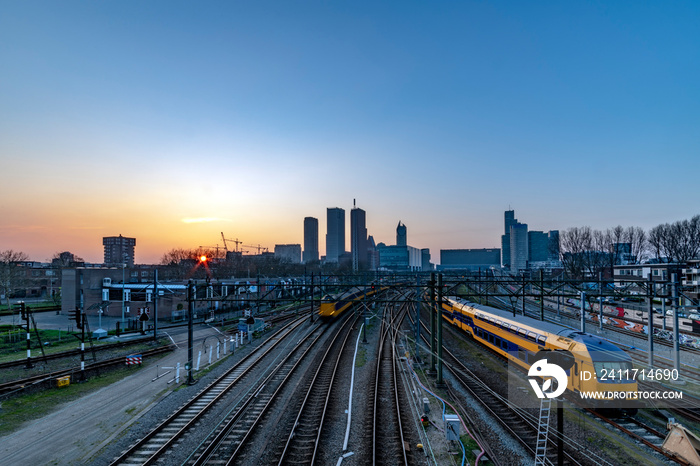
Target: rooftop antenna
pixel 353 203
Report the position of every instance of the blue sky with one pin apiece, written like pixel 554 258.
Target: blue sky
pixel 128 117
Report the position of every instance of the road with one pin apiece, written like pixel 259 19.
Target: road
pixel 76 431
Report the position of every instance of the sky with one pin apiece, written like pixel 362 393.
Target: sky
pixel 173 121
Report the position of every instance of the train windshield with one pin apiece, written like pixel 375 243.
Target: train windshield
pixel 612 370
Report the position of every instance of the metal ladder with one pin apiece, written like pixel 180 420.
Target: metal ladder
pixel 542 431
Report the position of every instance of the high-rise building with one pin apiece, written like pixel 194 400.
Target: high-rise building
pixel 335 234
pixel 372 253
pixel 401 239
pixel 119 250
pixel 288 253
pixel 518 247
pixel 543 250
pixel 358 238
pixel 400 258
pixel 425 259
pixel 310 239
pixel 553 245
pixel 509 220
pixel 538 246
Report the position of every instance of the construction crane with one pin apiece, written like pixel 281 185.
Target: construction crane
pixel 217 247
pixel 231 240
pixel 258 247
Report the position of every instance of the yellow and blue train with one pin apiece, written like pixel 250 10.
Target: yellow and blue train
pixel 598 364
pixel 332 307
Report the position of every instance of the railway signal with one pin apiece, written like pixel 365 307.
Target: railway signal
pixel 77 315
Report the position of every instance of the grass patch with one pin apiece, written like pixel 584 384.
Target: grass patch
pixel 469 445
pixel 17 411
pixel 361 357
pixel 13 343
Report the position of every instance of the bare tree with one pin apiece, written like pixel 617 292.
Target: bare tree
pixel 601 253
pixel 65 259
pixel 678 241
pixel 637 239
pixel 175 256
pixel 12 275
pixel 655 240
pixel 574 243
pixel 690 239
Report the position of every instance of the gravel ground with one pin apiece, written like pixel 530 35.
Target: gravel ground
pixel 269 438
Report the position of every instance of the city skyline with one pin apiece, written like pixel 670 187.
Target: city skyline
pixel 171 123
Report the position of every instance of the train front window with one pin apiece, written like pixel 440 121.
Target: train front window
pixel 613 370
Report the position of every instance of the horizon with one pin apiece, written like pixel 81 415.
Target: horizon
pixel 170 122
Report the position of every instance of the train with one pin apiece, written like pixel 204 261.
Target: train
pixel 332 307
pixel 598 365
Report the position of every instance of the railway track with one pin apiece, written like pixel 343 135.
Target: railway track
pixel 302 444
pixel 218 394
pixel 642 358
pixel 642 433
pixel 225 445
pixel 73 353
pixel 388 443
pixel 50 377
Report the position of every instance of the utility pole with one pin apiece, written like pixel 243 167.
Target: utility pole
pixel 364 316
pixel 439 383
pixel 558 297
pixel 257 287
pixel 650 326
pixel 541 295
pixel 433 330
pixel 312 297
pixel 523 293
pixel 676 351
pixel 560 433
pixel 418 305
pixel 155 305
pixel 190 324
pixel 600 301
pixel 583 312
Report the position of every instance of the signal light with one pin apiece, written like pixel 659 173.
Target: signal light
pixel 76 315
pixel 23 310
